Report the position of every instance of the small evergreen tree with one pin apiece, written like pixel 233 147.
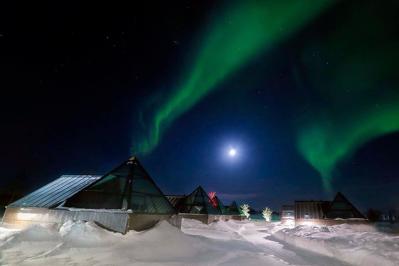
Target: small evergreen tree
pixel 245 210
pixel 267 214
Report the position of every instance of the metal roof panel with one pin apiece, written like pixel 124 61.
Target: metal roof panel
pixel 56 192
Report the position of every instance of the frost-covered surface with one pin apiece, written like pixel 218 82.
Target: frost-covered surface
pixel 86 244
pixel 221 243
pixel 354 244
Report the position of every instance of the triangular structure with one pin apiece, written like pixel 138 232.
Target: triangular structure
pixel 340 207
pixel 216 202
pixel 233 209
pixel 127 187
pixel 221 206
pixel 198 202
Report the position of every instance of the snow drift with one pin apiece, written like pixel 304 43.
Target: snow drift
pixel 221 243
pixel 354 244
pixel 84 243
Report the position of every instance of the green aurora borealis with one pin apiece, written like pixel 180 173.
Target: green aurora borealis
pixel 348 80
pixel 357 89
pixel 238 35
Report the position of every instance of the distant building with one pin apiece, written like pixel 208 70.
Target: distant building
pixel 287 214
pixel 234 211
pixel 342 208
pixel 199 206
pixel 126 198
pixel 310 209
pixel 336 211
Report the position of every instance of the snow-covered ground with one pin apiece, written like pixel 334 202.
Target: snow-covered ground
pixel 354 244
pixel 222 243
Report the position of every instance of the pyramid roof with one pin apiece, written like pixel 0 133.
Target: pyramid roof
pixel 127 187
pixel 341 207
pixel 198 202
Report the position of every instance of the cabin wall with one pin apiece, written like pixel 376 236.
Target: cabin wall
pixel 207 218
pixel 226 217
pixel 199 217
pixel 238 217
pixel 309 210
pixel 23 217
pixel 214 218
pixel 140 222
pixel 176 220
pixel 288 217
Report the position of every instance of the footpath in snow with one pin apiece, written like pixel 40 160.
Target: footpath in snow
pixel 222 243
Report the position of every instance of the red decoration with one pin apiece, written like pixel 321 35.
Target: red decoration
pixel 213 199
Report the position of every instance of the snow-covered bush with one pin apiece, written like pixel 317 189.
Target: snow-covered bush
pixel 245 210
pixel 267 214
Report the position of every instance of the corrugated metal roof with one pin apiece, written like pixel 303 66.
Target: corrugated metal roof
pixel 56 192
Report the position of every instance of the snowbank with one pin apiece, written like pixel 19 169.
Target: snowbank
pixel 221 243
pixel 84 243
pixel 354 244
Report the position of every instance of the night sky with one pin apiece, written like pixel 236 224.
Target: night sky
pixel 306 93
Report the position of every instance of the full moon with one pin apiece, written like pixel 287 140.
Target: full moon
pixel 232 152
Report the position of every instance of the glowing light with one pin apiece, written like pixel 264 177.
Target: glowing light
pixel 27 216
pixel 232 152
pixel 239 34
pixel 290 223
pixel 309 223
